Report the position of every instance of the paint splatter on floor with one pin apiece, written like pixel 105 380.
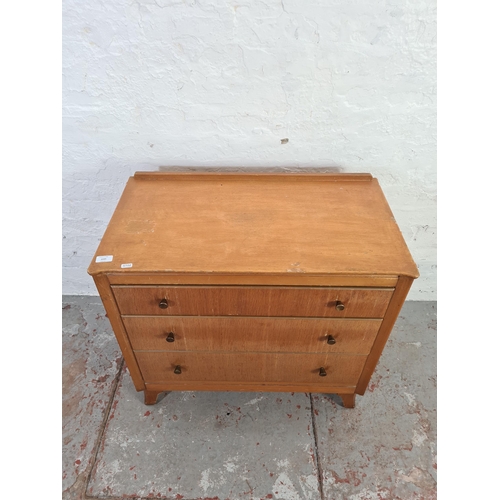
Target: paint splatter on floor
pixel 201 445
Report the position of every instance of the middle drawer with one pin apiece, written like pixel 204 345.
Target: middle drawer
pixel 216 333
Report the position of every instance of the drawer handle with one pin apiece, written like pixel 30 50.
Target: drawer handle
pixel 322 372
pixel 163 304
pixel 331 340
pixel 170 337
pixel 339 306
pixel 177 370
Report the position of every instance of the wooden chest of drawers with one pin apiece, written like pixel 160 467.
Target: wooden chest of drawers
pixel 252 282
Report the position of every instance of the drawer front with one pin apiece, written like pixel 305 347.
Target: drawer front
pixel 209 333
pixel 253 301
pixel 341 369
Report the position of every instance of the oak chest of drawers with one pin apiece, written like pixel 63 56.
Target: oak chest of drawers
pixel 252 282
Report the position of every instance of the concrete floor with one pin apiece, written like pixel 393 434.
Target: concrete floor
pixel 207 445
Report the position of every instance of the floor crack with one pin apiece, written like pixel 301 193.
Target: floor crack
pixel 93 460
pixel 316 453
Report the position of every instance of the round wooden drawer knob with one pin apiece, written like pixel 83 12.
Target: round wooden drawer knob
pixel 331 340
pixel 170 337
pixel 322 372
pixel 163 304
pixel 177 370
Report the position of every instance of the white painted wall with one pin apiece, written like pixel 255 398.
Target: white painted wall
pixel 152 83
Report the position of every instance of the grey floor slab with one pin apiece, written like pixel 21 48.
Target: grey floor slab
pixel 207 445
pixel 200 445
pixel 91 361
pixel 385 448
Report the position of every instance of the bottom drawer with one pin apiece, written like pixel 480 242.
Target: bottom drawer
pixel 339 369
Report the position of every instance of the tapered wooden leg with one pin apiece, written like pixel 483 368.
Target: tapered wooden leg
pixel 348 400
pixel 150 397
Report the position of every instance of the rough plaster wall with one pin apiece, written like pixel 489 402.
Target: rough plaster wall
pixel 150 83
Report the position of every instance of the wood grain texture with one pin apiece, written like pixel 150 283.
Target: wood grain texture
pixel 179 385
pixel 235 334
pixel 252 279
pixel 249 224
pixel 252 267
pixel 390 318
pixel 258 176
pixel 341 369
pixel 253 301
pixel 113 314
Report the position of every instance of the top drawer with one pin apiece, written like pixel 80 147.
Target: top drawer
pixel 253 301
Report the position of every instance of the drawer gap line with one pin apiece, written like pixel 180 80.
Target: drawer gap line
pixel 326 318
pixel 258 352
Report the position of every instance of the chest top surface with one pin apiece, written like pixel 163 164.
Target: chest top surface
pixel 253 223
